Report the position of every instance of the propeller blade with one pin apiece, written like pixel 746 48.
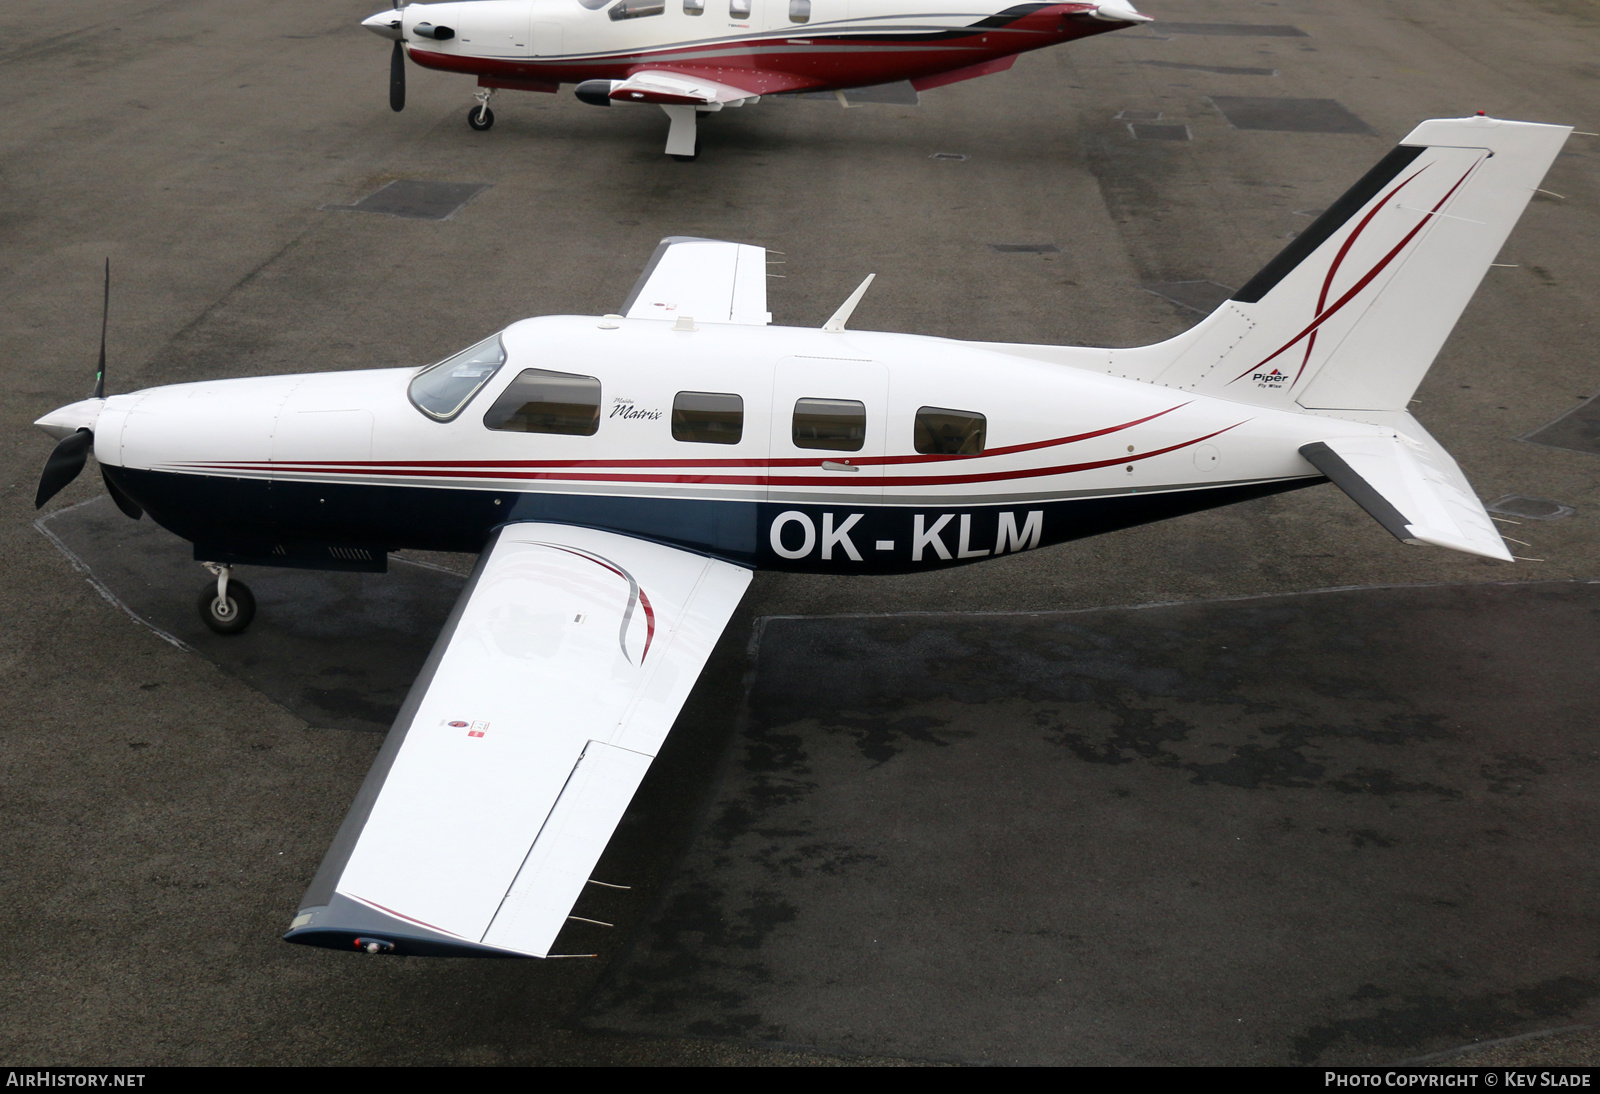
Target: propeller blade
pixel 63 465
pixel 397 78
pixel 99 391
pixel 128 506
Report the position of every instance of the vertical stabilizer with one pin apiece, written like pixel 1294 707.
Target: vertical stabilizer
pixel 1352 313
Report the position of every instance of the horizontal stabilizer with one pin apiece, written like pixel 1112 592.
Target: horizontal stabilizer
pixel 1409 484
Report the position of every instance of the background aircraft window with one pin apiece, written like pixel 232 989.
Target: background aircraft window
pixel 839 425
pixel 694 7
pixel 636 9
pixel 707 417
pixel 441 390
pixel 548 402
pixel 738 9
pixel 941 432
pixel 799 11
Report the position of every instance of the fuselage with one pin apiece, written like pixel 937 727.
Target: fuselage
pixel 772 447
pixel 771 46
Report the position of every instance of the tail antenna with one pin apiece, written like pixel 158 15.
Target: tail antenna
pixel 99 391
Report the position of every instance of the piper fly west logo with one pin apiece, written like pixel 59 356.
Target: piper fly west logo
pixel 1271 379
pixel 934 537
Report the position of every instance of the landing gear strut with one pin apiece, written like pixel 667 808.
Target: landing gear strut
pixel 228 606
pixel 682 141
pixel 481 117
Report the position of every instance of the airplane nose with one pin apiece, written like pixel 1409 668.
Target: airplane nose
pixel 66 421
pixel 385 23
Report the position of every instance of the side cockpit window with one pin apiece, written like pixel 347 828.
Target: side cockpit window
pixel 941 432
pixel 547 402
pixel 635 9
pixel 441 390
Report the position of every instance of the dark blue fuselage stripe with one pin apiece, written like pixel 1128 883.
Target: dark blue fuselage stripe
pixel 250 517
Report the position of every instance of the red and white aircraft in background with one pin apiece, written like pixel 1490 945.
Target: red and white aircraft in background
pixel 622 475
pixel 692 57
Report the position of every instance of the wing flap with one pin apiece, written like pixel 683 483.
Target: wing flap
pixel 1409 484
pixel 707 280
pixel 549 694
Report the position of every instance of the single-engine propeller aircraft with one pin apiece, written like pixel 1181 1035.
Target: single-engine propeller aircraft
pixel 622 475
pixel 693 57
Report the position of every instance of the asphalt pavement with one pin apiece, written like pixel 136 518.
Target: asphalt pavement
pixel 163 809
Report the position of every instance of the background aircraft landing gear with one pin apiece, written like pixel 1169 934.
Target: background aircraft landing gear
pixel 683 143
pixel 481 117
pixel 227 606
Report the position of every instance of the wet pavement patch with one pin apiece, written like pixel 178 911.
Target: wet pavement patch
pixel 415 199
pixel 1337 828
pixel 1025 248
pixel 339 650
pixel 1517 505
pixel 1158 131
pixel 1233 30
pixel 1201 296
pixel 1578 429
pixel 1290 115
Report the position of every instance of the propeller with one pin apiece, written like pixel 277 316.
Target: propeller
pixel 397 77
pixel 63 465
pixel 397 62
pixel 66 462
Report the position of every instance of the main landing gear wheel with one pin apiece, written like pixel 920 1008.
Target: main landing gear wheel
pixel 229 613
pixel 480 118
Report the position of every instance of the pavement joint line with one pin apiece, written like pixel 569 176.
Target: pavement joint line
pixel 1035 612
pixel 1467 1050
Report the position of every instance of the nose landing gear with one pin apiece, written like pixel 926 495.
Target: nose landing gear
pixel 228 606
pixel 481 117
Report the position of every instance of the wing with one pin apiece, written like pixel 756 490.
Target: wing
pixel 707 280
pixel 1409 484
pixel 550 690
pixel 688 85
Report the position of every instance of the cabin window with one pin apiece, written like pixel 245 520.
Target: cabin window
pixel 635 9
pixel 799 11
pixel 738 9
pixel 441 390
pixel 838 425
pixel 707 417
pixel 694 7
pixel 941 432
pixel 547 402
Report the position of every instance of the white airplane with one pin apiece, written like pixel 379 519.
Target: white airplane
pixel 622 475
pixel 692 57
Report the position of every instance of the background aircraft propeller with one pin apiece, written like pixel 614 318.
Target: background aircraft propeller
pixel 397 77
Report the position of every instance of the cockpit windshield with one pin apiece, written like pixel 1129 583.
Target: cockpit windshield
pixel 440 391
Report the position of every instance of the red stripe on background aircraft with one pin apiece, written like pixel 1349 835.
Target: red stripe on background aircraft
pixel 693 57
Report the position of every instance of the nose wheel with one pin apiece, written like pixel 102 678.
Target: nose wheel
pixel 481 117
pixel 227 606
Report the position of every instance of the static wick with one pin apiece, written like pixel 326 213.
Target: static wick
pixel 608 885
pixel 596 922
pixel 1519 542
pixel 1519 558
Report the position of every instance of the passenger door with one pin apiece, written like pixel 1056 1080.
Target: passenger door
pixel 829 428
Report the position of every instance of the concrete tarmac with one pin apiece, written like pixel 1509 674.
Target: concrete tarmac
pixel 162 816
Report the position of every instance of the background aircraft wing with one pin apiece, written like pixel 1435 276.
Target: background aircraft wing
pixel 547 695
pixel 1409 484
pixel 688 85
pixel 709 280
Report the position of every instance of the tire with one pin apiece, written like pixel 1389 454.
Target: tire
pixel 240 611
pixel 486 121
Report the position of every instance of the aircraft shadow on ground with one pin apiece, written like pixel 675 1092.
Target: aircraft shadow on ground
pixel 339 650
pixel 1325 828
pixel 1342 827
